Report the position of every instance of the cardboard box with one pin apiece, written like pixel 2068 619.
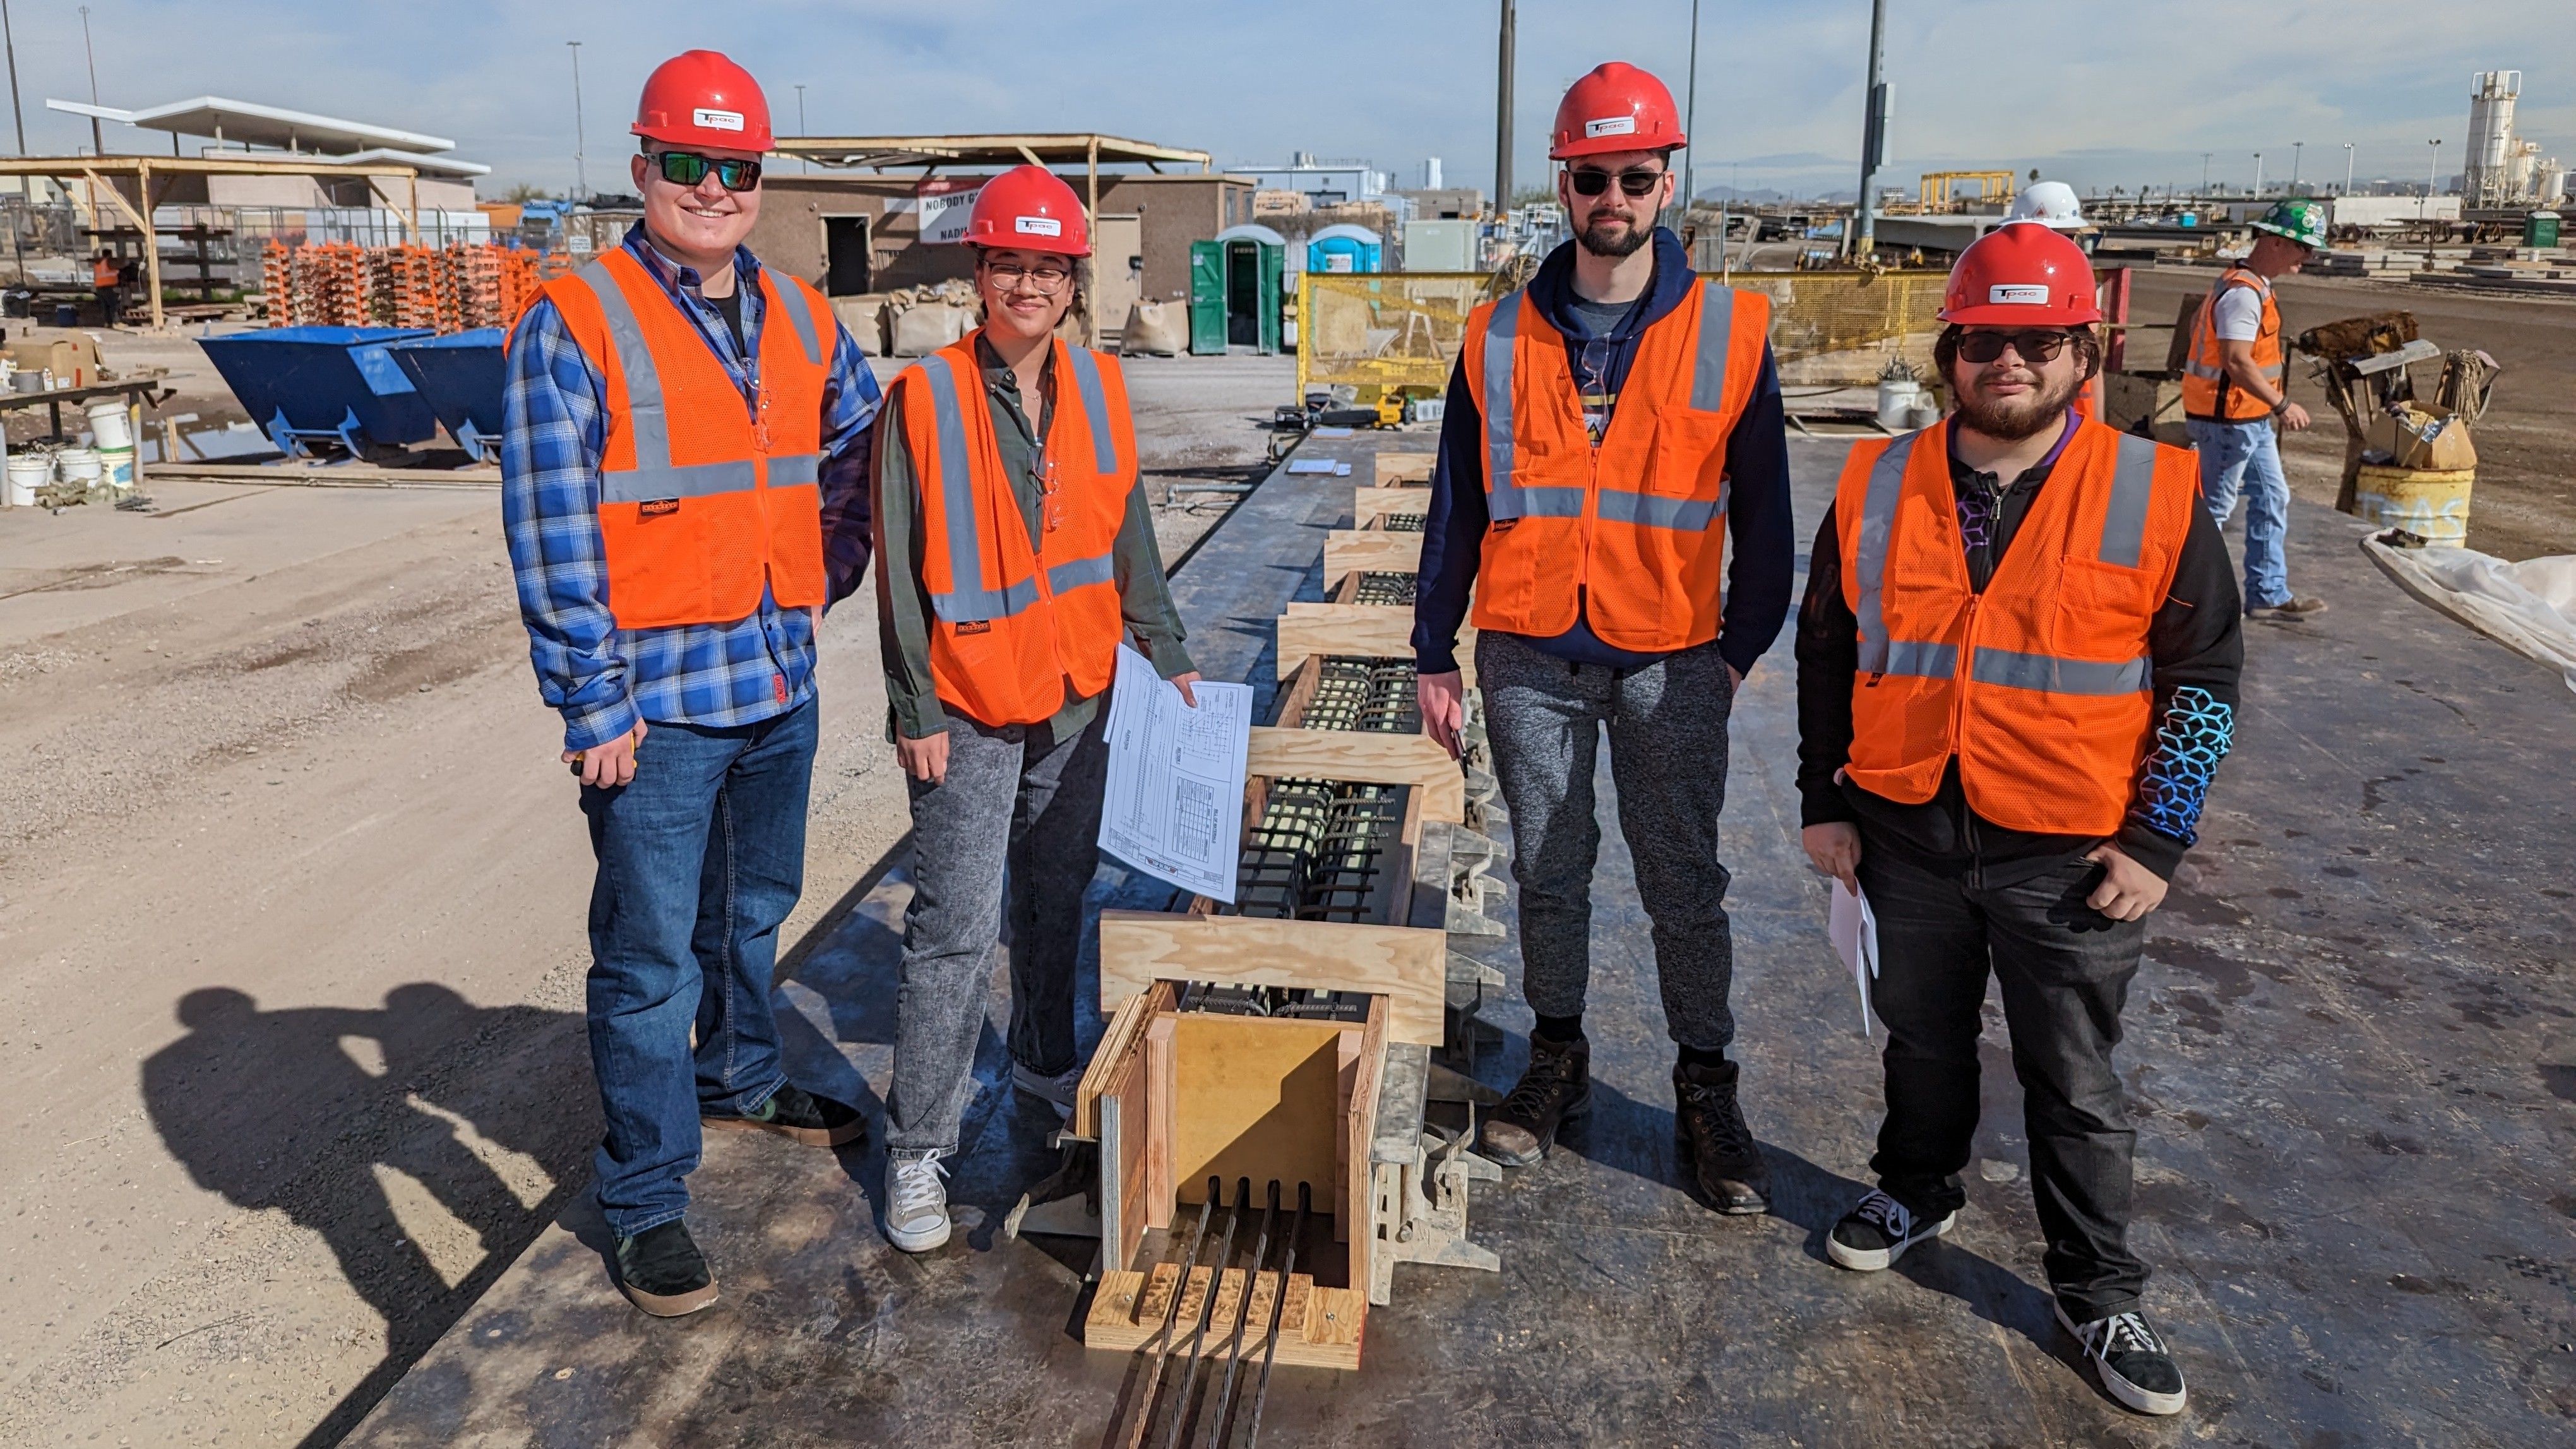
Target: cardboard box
pixel 2425 439
pixel 73 356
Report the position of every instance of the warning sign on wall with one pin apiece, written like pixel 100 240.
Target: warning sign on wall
pixel 946 203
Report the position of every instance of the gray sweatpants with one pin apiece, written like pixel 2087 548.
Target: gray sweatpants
pixel 1020 805
pixel 1667 722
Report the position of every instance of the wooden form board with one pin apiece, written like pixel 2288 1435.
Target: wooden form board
pixel 1408 965
pixel 1371 504
pixel 1354 1223
pixel 1369 550
pixel 1255 1097
pixel 1356 631
pixel 1364 757
pixel 1318 1327
pixel 1396 468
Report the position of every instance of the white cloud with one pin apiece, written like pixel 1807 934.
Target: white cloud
pixel 2097 93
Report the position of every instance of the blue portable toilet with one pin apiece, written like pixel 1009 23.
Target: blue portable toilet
pixel 1345 248
pixel 307 384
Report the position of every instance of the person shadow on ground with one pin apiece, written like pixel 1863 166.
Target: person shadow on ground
pixel 298 1109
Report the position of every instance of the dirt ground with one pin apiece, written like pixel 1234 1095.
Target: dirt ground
pixel 291 896
pixel 2524 505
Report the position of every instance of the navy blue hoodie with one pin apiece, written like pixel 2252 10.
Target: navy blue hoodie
pixel 1763 537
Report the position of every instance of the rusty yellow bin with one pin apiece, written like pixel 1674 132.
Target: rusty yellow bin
pixel 2432 504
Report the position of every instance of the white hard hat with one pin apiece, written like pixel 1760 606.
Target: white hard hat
pixel 2050 203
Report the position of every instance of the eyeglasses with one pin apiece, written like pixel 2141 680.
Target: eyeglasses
pixel 1984 347
pixel 1637 181
pixel 1007 277
pixel 688 168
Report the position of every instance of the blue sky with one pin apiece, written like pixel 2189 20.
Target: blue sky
pixel 2093 93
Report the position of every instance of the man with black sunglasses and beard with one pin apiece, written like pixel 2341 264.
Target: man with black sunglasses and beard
pixel 1609 430
pixel 2017 673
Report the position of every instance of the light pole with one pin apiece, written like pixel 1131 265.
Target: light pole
pixel 2204 171
pixel 2295 148
pixel 2257 192
pixel 1873 138
pixel 97 147
pixel 2432 180
pixel 12 40
pixel 801 132
pixel 2347 168
pixel 1690 112
pixel 580 143
pixel 1503 112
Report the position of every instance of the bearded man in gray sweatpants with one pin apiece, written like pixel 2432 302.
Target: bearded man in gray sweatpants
pixel 1693 459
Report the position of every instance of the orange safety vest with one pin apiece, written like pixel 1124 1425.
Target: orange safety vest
pixel 702 505
pixel 1016 628
pixel 1631 535
pixel 2039 686
pixel 2207 390
pixel 103 272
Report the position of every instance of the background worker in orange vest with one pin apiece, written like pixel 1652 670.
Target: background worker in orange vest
pixel 1608 429
pixel 2017 672
pixel 1015 551
pixel 107 280
pixel 684 487
pixel 2234 389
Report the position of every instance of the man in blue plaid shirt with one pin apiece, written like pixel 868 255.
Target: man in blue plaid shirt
pixel 684 489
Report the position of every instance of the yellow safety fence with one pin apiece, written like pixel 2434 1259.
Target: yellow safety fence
pixel 1400 331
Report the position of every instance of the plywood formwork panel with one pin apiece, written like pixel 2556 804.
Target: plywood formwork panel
pixel 1370 550
pixel 1355 631
pixel 1370 504
pixel 1399 468
pixel 1363 757
pixel 1318 1327
pixel 1406 964
pixel 1255 1097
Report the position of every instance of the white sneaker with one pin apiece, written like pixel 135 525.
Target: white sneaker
pixel 1877 1231
pixel 1057 1090
pixel 916 1218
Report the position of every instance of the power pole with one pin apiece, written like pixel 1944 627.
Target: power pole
pixel 2204 171
pixel 580 142
pixel 1690 113
pixel 97 147
pixel 801 132
pixel 1503 112
pixel 1873 137
pixel 15 114
pixel 2297 148
pixel 2257 192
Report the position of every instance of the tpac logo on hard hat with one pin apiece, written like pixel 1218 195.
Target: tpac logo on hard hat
pixel 715 120
pixel 2016 296
pixel 1037 226
pixel 1610 126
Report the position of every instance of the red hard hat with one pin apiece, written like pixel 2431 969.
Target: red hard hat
pixel 1616 108
pixel 701 98
pixel 2022 272
pixel 1029 207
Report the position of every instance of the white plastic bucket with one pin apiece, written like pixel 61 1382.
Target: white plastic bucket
pixel 116 468
pixel 27 473
pixel 1896 400
pixel 77 465
pixel 112 424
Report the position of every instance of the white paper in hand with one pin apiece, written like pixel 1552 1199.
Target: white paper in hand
pixel 1855 934
pixel 1173 803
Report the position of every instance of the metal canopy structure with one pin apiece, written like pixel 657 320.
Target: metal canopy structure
pixel 930 153
pixel 96 169
pixel 244 123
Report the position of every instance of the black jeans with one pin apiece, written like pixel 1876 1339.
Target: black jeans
pixel 2065 970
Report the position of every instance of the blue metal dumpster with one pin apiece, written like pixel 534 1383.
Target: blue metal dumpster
pixel 309 384
pixel 460 375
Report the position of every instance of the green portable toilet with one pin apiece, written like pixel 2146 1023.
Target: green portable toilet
pixel 1207 298
pixel 1236 291
pixel 2540 229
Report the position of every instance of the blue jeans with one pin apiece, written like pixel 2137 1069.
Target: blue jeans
pixel 701 857
pixel 2246 458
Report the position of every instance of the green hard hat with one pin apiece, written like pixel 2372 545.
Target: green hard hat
pixel 2303 222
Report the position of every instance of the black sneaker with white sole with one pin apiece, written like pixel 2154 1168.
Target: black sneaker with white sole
pixel 1877 1231
pixel 2136 1367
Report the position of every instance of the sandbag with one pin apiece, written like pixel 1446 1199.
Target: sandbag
pixel 865 317
pixel 2528 607
pixel 923 329
pixel 1159 328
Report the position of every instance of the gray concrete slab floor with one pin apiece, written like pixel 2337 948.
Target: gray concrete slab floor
pixel 2351 1056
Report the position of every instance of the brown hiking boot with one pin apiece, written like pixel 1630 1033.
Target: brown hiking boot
pixel 1732 1176
pixel 1557 1085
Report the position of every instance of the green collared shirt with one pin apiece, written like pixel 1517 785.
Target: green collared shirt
pixel 903 600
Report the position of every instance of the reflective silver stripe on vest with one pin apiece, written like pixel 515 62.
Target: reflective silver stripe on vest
pixel 801 313
pixel 2051 675
pixel 1877 520
pixel 2124 524
pixel 1066 577
pixel 1649 510
pixel 1716 334
pixel 966 600
pixel 1095 408
pixel 795 470
pixel 1503 498
pixel 653 477
pixel 1919 658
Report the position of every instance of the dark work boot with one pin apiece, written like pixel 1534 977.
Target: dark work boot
pixel 1732 1175
pixel 1558 1085
pixel 799 1115
pixel 661 1271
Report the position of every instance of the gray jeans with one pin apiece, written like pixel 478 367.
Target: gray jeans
pixel 1020 805
pixel 1667 726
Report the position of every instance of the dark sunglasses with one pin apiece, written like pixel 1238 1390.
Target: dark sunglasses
pixel 688 168
pixel 1592 180
pixel 1984 347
